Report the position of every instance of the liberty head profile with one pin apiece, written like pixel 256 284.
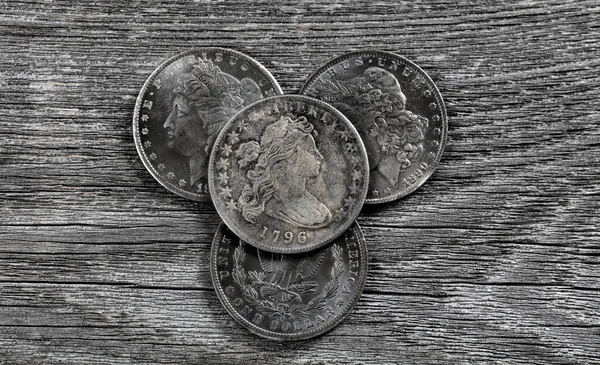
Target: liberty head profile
pixel 376 105
pixel 204 100
pixel 277 172
pixel 392 135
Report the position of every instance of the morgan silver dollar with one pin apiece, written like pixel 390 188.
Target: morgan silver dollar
pixel 288 174
pixel 183 106
pixel 398 112
pixel 288 297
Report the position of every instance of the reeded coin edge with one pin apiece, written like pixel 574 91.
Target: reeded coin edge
pixel 282 336
pixel 438 96
pixel 138 104
pixel 336 233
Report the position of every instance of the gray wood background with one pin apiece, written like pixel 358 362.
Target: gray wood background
pixel 495 260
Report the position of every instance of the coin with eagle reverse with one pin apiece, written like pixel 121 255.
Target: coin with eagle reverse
pixel 289 297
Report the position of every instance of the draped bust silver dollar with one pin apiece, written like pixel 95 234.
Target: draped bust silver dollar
pixel 288 297
pixel 288 174
pixel 398 112
pixel 183 106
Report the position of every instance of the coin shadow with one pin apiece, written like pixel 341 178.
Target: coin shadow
pixel 380 207
pixel 269 345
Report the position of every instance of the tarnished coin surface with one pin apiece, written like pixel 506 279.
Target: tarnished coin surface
pixel 398 112
pixel 289 297
pixel 183 106
pixel 288 174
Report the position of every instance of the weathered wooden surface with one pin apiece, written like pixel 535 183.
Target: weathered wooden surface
pixel 496 259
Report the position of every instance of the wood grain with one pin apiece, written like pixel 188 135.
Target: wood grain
pixel 495 260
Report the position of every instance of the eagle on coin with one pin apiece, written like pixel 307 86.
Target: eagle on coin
pixel 287 277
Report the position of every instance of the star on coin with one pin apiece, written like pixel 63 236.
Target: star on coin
pixel 231 204
pixel 225 192
pixel 181 182
pixel 435 143
pixel 244 126
pixel 387 191
pixel 332 126
pixel 233 137
pixel 145 117
pixel 375 193
pixel 147 144
pixel 437 130
pixel 351 147
pixel 433 106
pixel 345 134
pixel 340 302
pixel 349 201
pixel 145 131
pixel 353 188
pixel 223 164
pixel 161 166
pixel 254 117
pixel 356 175
pixel 226 150
pixel 431 155
pixel 171 175
pixel 223 177
pixel 152 156
pixel 229 290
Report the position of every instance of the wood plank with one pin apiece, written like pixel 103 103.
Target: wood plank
pixel 494 260
pixel 144 324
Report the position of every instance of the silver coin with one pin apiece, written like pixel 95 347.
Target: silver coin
pixel 398 111
pixel 183 106
pixel 289 297
pixel 288 174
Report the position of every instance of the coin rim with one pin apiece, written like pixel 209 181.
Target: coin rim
pixel 256 242
pixel 337 319
pixel 438 96
pixel 204 197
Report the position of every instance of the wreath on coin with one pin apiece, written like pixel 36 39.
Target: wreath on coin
pixel 252 282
